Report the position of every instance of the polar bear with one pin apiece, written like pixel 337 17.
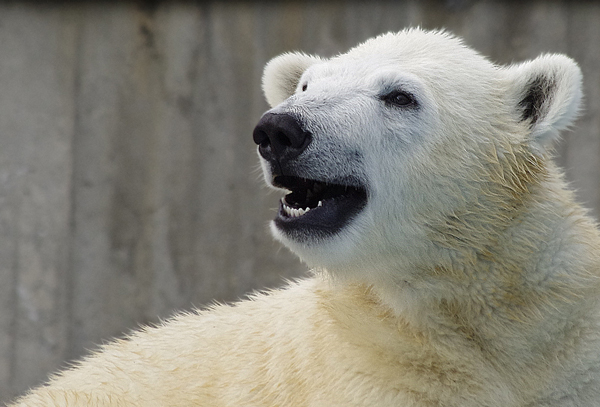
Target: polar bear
pixel 451 266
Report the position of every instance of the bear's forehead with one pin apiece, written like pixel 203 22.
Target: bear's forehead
pixel 423 54
pixel 414 44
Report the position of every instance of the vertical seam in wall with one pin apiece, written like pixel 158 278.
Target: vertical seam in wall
pixel 70 272
pixel 14 325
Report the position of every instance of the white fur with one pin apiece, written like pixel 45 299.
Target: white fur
pixel 469 279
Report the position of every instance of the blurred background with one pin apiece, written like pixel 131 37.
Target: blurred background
pixel 129 183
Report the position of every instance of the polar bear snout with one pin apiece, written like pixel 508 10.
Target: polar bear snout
pixel 280 137
pixel 321 199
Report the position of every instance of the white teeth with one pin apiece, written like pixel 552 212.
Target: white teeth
pixel 293 212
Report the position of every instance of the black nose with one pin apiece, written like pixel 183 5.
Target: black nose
pixel 280 136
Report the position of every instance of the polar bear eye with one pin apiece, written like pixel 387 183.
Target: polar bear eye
pixel 304 87
pixel 399 98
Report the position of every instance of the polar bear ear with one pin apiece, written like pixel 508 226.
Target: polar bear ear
pixel 548 95
pixel 282 73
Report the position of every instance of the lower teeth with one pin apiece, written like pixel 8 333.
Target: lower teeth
pixel 296 213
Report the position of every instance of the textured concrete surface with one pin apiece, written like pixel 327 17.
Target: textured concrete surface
pixel 129 184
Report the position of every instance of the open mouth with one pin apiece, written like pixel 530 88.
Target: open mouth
pixel 315 207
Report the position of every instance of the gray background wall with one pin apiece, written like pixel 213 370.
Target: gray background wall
pixel 129 184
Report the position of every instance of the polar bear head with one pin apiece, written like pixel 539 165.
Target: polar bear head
pixel 406 147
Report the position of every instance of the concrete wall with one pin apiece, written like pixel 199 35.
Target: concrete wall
pixel 129 184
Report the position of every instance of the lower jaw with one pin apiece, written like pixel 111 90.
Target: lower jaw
pixel 322 222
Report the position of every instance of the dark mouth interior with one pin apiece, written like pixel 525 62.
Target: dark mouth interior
pixel 306 193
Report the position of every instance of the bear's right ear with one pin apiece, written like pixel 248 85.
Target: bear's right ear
pixel 282 73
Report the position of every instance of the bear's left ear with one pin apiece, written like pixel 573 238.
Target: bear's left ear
pixel 282 74
pixel 547 95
